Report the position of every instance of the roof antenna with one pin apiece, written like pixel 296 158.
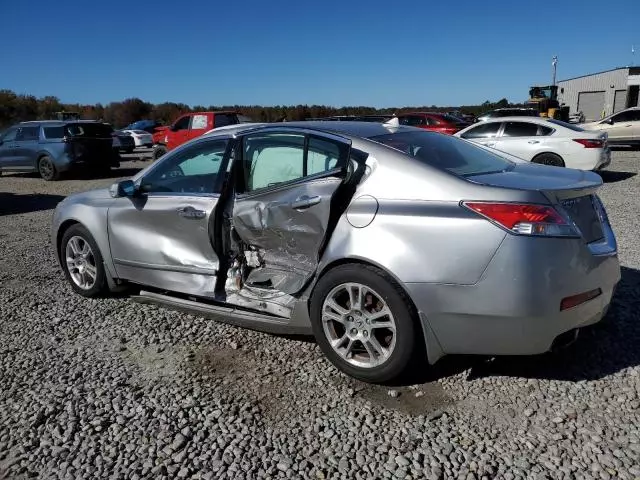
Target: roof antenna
pixel 394 122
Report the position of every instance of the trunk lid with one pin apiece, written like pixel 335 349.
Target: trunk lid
pixel 573 191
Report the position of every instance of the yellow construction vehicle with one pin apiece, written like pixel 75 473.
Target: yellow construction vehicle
pixel 545 100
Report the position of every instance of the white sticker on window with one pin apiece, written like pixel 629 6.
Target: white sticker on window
pixel 199 122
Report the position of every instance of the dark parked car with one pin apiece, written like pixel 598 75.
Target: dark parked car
pixel 53 147
pixel 123 142
pixel 433 121
pixel 146 125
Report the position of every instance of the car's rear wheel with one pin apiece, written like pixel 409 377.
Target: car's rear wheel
pixel 47 169
pixel 82 262
pixel 158 152
pixel 364 323
pixel 550 159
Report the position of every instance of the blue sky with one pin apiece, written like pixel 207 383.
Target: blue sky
pixel 332 52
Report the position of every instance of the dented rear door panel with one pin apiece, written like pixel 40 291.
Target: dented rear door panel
pixel 288 239
pixel 159 241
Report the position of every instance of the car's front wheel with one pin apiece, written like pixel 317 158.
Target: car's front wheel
pixel 82 262
pixel 364 323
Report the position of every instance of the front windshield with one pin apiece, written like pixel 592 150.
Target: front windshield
pixel 446 152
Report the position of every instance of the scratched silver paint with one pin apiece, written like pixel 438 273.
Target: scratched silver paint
pixel 476 288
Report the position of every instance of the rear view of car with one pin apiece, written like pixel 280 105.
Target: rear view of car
pixel 86 144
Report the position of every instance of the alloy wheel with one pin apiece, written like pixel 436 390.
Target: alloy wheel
pixel 81 262
pixel 359 325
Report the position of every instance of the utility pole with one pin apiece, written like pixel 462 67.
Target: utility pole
pixel 554 63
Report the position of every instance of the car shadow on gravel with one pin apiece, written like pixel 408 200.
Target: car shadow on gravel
pixel 600 350
pixel 612 176
pixel 12 204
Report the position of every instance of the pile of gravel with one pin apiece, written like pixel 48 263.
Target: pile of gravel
pixel 112 388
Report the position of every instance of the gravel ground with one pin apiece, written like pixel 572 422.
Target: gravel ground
pixel 116 389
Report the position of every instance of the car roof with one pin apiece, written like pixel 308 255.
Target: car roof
pixel 56 122
pixel 517 118
pixel 344 128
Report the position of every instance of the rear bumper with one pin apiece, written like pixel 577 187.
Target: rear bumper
pixel 589 159
pixel 514 309
pixel 66 162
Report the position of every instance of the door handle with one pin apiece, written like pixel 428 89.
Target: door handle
pixel 489 144
pixel 305 202
pixel 533 141
pixel 190 212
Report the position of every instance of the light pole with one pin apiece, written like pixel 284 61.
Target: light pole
pixel 554 63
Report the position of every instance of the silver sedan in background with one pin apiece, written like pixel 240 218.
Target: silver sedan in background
pixel 386 242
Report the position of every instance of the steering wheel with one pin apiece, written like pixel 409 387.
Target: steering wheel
pixel 175 172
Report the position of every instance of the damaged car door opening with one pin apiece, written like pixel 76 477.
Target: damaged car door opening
pixel 384 241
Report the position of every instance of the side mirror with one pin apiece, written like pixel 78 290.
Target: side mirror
pixel 124 188
pixel 610 121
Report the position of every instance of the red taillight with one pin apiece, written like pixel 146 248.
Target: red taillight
pixel 524 219
pixel 590 143
pixel 575 300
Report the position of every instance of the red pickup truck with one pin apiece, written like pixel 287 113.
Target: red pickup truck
pixel 189 126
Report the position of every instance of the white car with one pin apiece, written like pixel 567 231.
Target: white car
pixel 141 138
pixel 542 140
pixel 622 127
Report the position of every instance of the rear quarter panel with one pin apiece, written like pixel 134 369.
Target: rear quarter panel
pixel 410 223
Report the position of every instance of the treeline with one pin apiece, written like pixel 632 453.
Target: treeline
pixel 19 107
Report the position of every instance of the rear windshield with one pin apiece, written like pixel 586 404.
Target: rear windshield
pixel 570 126
pixel 89 130
pixel 452 119
pixel 445 152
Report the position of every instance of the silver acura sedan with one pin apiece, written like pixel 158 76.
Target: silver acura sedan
pixel 384 241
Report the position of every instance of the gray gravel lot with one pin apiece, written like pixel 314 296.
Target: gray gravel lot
pixel 116 389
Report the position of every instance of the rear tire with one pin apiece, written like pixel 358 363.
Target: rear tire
pixel 158 152
pixel 47 169
pixel 356 329
pixel 550 159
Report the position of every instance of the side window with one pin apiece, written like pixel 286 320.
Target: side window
pixel 484 130
pixel 323 155
pixel 183 123
pixel 9 135
pixel 223 119
pixel 199 122
pixel 544 131
pixel 274 158
pixel 192 170
pixel 520 129
pixel 26 134
pixel 53 132
pixel 412 120
pixel 628 116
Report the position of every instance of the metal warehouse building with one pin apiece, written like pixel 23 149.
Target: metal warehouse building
pixel 608 92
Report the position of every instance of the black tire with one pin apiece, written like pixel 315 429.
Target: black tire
pixel 47 169
pixel 408 332
pixel 550 159
pixel 100 287
pixel 158 152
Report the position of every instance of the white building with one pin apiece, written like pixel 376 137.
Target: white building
pixel 601 94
